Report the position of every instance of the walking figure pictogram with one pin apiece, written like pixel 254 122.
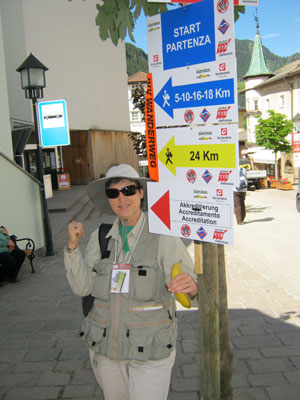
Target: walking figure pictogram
pixel 169 155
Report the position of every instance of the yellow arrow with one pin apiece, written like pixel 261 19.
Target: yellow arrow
pixel 197 155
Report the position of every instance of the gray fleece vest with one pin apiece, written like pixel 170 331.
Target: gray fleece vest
pixel 139 325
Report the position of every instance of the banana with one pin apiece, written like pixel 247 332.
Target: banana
pixel 183 298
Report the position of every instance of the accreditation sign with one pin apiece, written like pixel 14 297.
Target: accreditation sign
pixel 199 33
pixel 204 214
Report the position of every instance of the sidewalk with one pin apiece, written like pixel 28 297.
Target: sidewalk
pixel 42 357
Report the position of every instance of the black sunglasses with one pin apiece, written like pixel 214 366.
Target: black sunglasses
pixel 126 191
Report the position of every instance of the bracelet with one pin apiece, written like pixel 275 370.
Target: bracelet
pixel 70 249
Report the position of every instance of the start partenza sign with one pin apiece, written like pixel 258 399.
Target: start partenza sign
pixel 197 213
pixel 199 33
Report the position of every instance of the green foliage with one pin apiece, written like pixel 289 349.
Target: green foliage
pixel 116 18
pixel 138 95
pixel 139 143
pixel 271 132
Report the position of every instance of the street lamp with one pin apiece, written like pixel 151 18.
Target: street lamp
pixel 33 82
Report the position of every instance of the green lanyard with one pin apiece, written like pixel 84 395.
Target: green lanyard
pixel 125 230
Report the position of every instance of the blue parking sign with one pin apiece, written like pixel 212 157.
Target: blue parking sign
pixel 53 123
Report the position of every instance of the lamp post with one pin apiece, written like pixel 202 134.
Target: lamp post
pixel 33 82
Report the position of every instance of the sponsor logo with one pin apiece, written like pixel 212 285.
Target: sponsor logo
pixel 224 176
pixel 223 46
pixel 205 138
pixel 222 67
pixel 155 58
pixel 219 192
pixel 207 176
pixel 224 132
pixel 200 194
pixel 222 112
pixel 201 232
pixel 222 6
pixel 219 234
pixel 191 176
pixel 201 76
pixel 185 231
pixel 204 115
pixel 154 26
pixel 223 27
pixel 189 116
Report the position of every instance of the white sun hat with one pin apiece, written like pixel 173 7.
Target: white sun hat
pixel 96 189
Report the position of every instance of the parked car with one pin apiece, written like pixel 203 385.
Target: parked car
pixel 254 177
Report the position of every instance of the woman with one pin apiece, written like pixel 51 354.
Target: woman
pixel 131 329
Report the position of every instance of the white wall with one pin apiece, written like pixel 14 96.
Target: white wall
pixel 89 73
pixel 5 131
pixel 15 54
pixel 20 204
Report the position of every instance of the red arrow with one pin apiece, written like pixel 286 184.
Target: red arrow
pixel 162 209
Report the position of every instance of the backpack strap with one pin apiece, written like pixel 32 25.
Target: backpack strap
pixel 103 241
pixel 88 301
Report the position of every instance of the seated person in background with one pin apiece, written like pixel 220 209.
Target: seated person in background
pixel 11 257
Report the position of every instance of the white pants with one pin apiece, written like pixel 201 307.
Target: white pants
pixel 133 380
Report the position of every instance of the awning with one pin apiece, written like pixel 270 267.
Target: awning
pixel 262 156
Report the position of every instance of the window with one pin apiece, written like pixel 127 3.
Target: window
pixel 135 116
pixel 281 101
pixel 255 105
pixel 268 104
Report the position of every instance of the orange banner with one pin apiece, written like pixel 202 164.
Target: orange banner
pixel 151 131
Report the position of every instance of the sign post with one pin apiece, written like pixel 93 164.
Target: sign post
pixel 193 157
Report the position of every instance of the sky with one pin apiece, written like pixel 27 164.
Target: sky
pixel 279 26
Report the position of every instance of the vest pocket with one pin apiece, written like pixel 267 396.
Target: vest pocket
pixel 143 282
pixel 101 286
pixel 97 334
pixel 140 343
pixel 165 341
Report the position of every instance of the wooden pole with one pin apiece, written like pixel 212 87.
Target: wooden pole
pixel 198 257
pixel 209 343
pixel 226 355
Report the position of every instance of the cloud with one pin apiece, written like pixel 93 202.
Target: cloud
pixel 271 35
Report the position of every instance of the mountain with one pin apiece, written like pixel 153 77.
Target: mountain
pixel 137 59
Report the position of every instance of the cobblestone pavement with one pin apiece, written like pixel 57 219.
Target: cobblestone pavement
pixel 42 357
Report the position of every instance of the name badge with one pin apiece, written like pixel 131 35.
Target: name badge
pixel 120 278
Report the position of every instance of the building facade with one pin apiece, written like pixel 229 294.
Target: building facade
pixel 88 73
pixel 265 91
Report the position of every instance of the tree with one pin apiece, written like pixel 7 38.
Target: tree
pixel 138 95
pixel 272 132
pixel 116 18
